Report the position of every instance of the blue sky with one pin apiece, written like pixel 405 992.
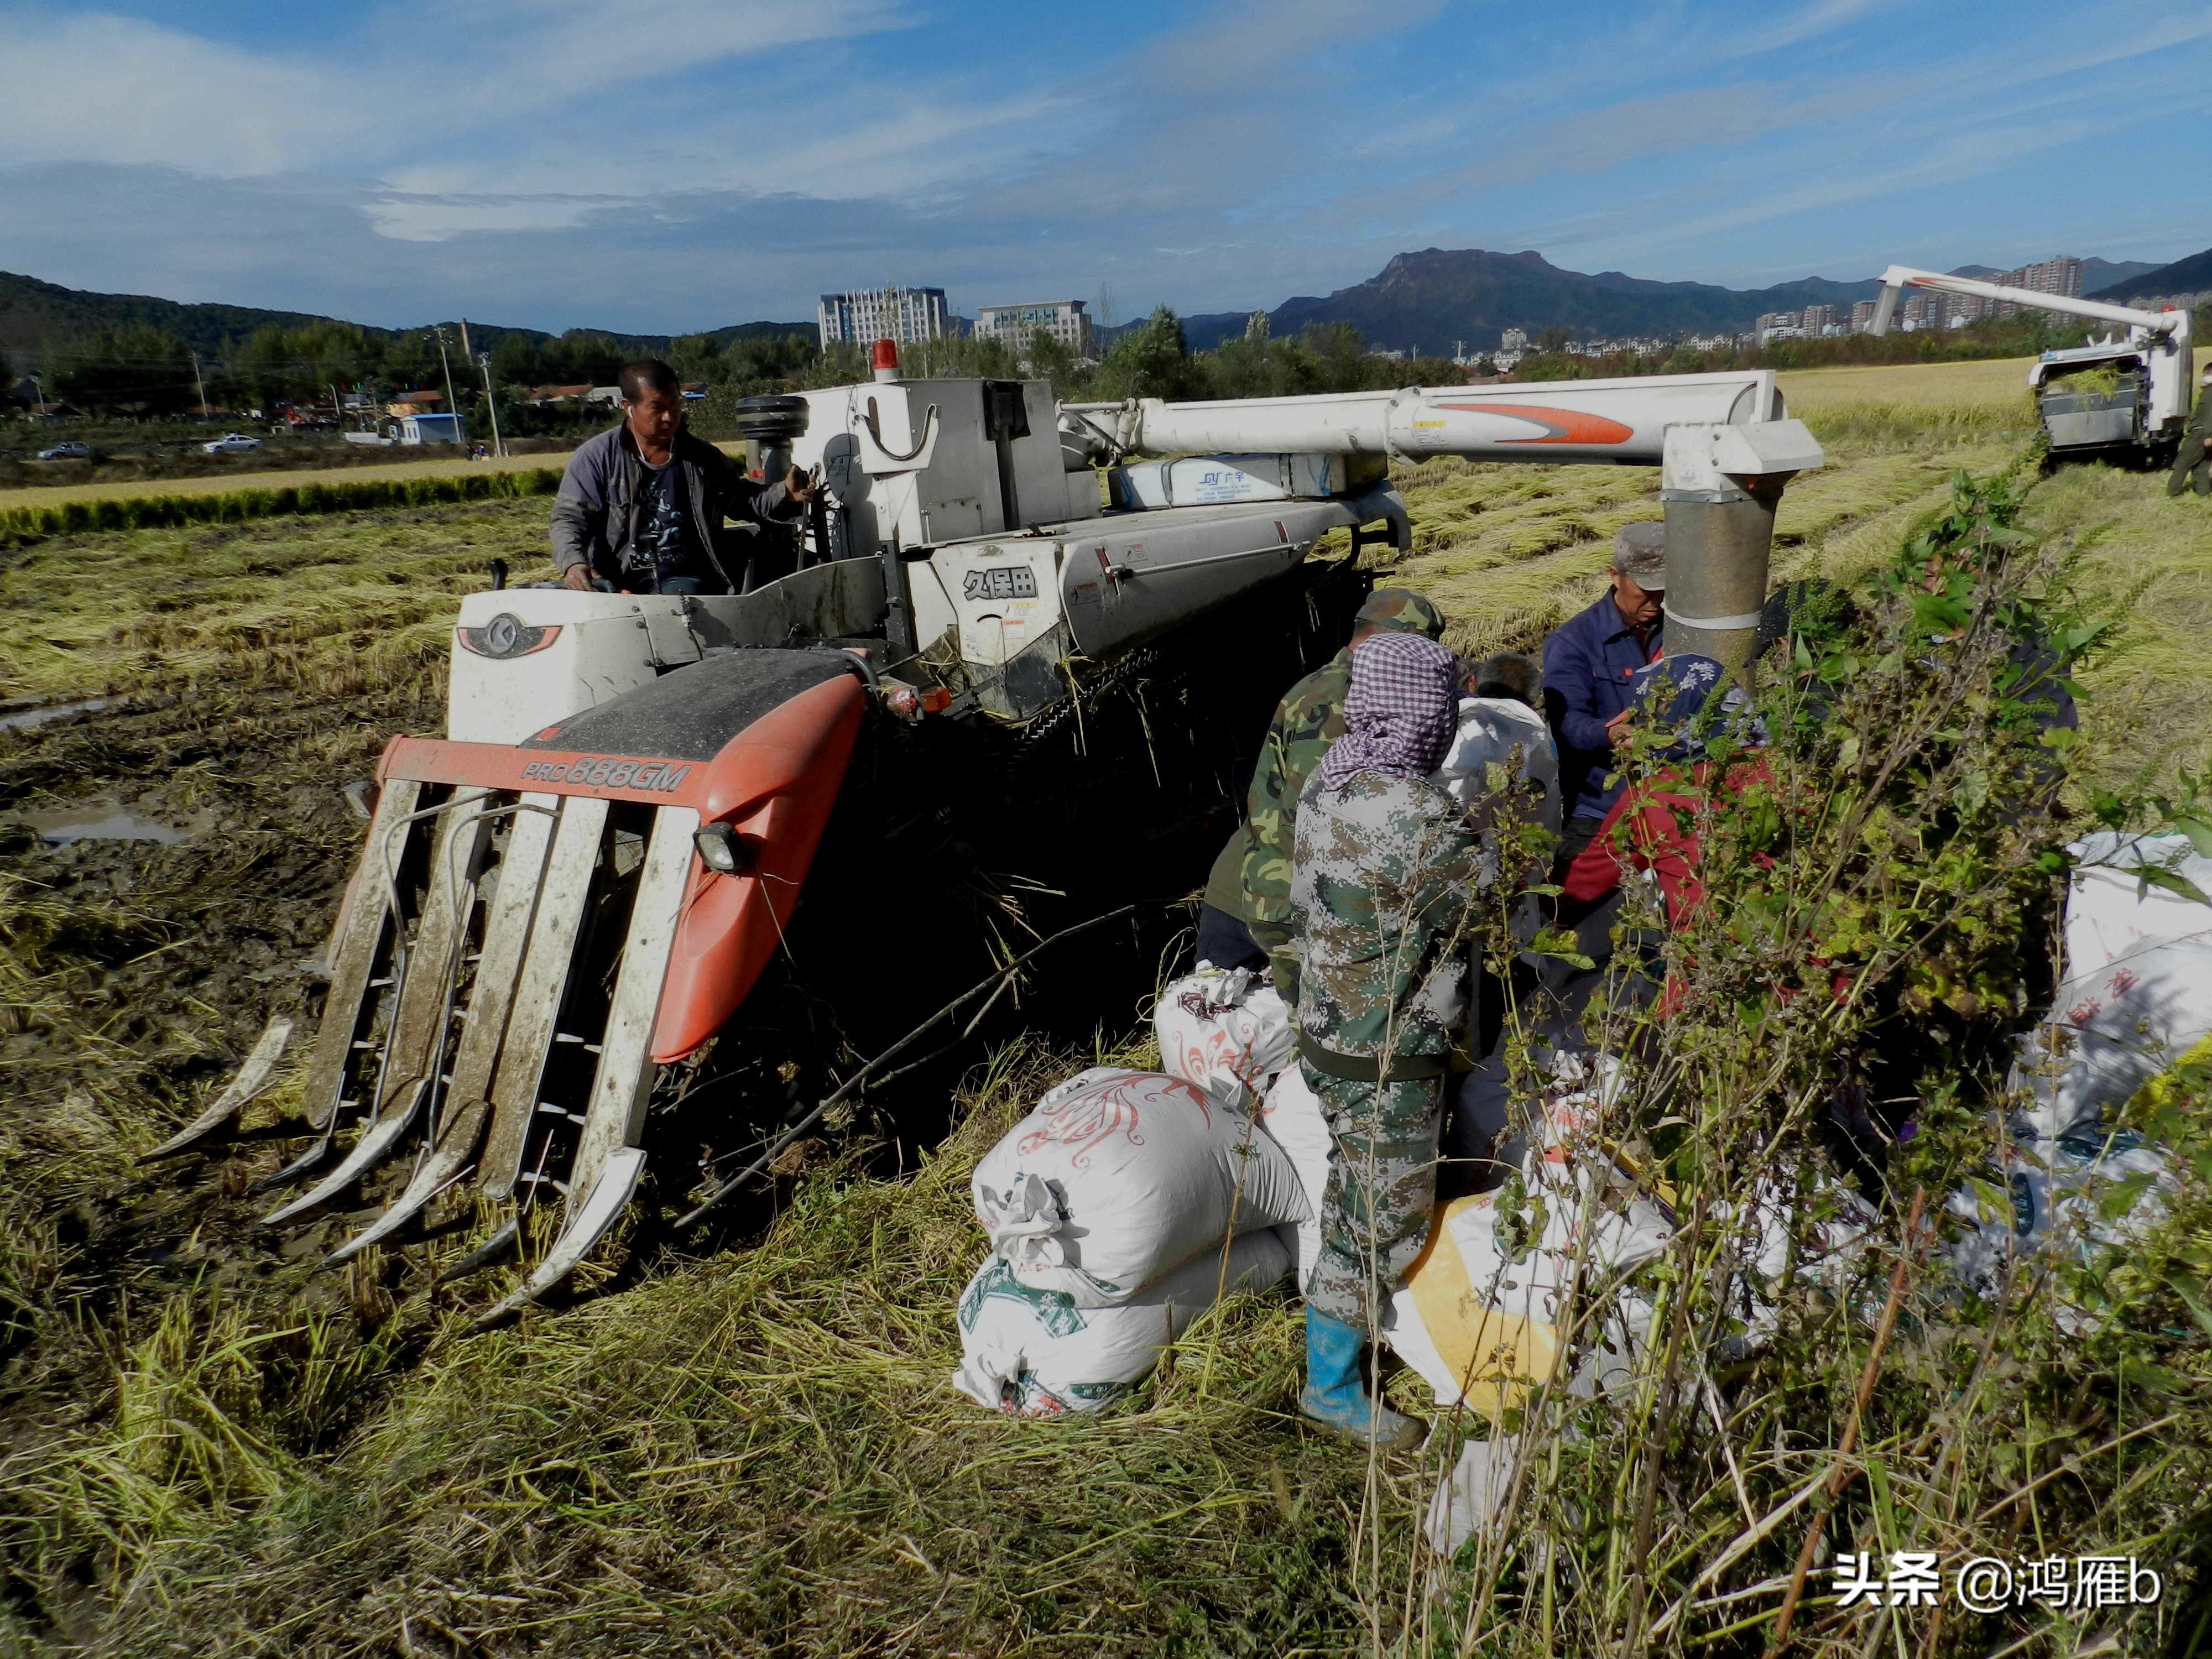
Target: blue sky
pixel 680 164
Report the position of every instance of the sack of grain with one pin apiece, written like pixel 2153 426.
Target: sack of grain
pixel 2047 1200
pixel 1119 1176
pixel 1225 1031
pixel 2137 994
pixel 1031 1352
pixel 1291 1115
pixel 1478 1315
pixel 1507 733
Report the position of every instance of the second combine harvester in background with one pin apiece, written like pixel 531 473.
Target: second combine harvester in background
pixel 571 892
pixel 2126 396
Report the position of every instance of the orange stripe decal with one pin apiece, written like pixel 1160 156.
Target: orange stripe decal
pixel 1562 426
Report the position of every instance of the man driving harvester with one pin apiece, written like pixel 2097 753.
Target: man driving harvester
pixel 641 507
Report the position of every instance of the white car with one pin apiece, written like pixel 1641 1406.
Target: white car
pixel 231 443
pixel 72 451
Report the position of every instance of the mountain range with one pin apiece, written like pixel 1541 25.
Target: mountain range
pixel 2190 275
pixel 1435 300
pixel 34 313
pixel 1439 298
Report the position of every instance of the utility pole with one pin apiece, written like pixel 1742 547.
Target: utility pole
pixel 460 435
pixel 491 403
pixel 200 383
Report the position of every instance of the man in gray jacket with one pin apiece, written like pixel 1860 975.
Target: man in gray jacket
pixel 640 508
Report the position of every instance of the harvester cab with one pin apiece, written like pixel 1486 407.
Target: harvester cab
pixel 2121 394
pixel 566 897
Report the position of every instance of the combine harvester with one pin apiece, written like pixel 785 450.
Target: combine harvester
pixel 2127 399
pixel 562 900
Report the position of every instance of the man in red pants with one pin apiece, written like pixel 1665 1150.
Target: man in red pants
pixel 1654 825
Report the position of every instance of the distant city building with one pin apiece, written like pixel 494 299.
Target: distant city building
pixel 1780 325
pixel 1862 315
pixel 892 313
pixel 1513 339
pixel 1818 320
pixel 2060 274
pixel 1065 321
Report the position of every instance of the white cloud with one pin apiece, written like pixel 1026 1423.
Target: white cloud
pixel 99 88
pixel 441 218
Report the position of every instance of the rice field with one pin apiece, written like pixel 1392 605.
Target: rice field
pixel 754 1452
pixel 246 477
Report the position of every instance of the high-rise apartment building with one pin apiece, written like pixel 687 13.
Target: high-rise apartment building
pixel 2059 274
pixel 891 312
pixel 1064 320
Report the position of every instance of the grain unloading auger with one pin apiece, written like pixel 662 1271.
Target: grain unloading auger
pixel 578 886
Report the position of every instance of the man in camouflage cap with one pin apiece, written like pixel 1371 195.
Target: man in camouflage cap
pixel 1379 897
pixel 1250 888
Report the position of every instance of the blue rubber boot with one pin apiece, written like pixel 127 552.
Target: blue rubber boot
pixel 1334 1396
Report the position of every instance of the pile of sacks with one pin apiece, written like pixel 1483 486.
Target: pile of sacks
pixel 1126 1203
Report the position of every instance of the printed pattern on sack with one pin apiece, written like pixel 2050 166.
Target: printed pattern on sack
pixel 1218 1048
pixel 1052 1310
pixel 609 772
pixel 1087 1120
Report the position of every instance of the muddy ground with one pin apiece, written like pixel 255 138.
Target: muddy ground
pixel 136 974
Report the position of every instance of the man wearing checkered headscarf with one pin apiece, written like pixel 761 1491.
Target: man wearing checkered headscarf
pixel 1380 883
pixel 1400 712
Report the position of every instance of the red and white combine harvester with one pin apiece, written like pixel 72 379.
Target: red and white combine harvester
pixel 578 892
pixel 2125 396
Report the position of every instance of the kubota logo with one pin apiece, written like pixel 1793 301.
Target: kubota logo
pixel 606 772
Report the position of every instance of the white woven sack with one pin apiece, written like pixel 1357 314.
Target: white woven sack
pixel 1223 1031
pixel 1034 1354
pixel 2138 990
pixel 1486 1311
pixel 1119 1176
pixel 1502 731
pixel 2058 1199
pixel 1291 1115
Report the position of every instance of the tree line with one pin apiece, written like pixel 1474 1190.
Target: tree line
pixel 140 370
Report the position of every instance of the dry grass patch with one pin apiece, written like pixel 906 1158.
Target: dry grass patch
pixel 351 601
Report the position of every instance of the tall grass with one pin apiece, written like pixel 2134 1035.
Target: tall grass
pixel 759 1453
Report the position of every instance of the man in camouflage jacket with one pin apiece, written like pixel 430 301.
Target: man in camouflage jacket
pixel 1378 902
pixel 1251 879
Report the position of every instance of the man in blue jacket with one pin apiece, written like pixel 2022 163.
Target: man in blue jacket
pixel 641 507
pixel 1590 667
